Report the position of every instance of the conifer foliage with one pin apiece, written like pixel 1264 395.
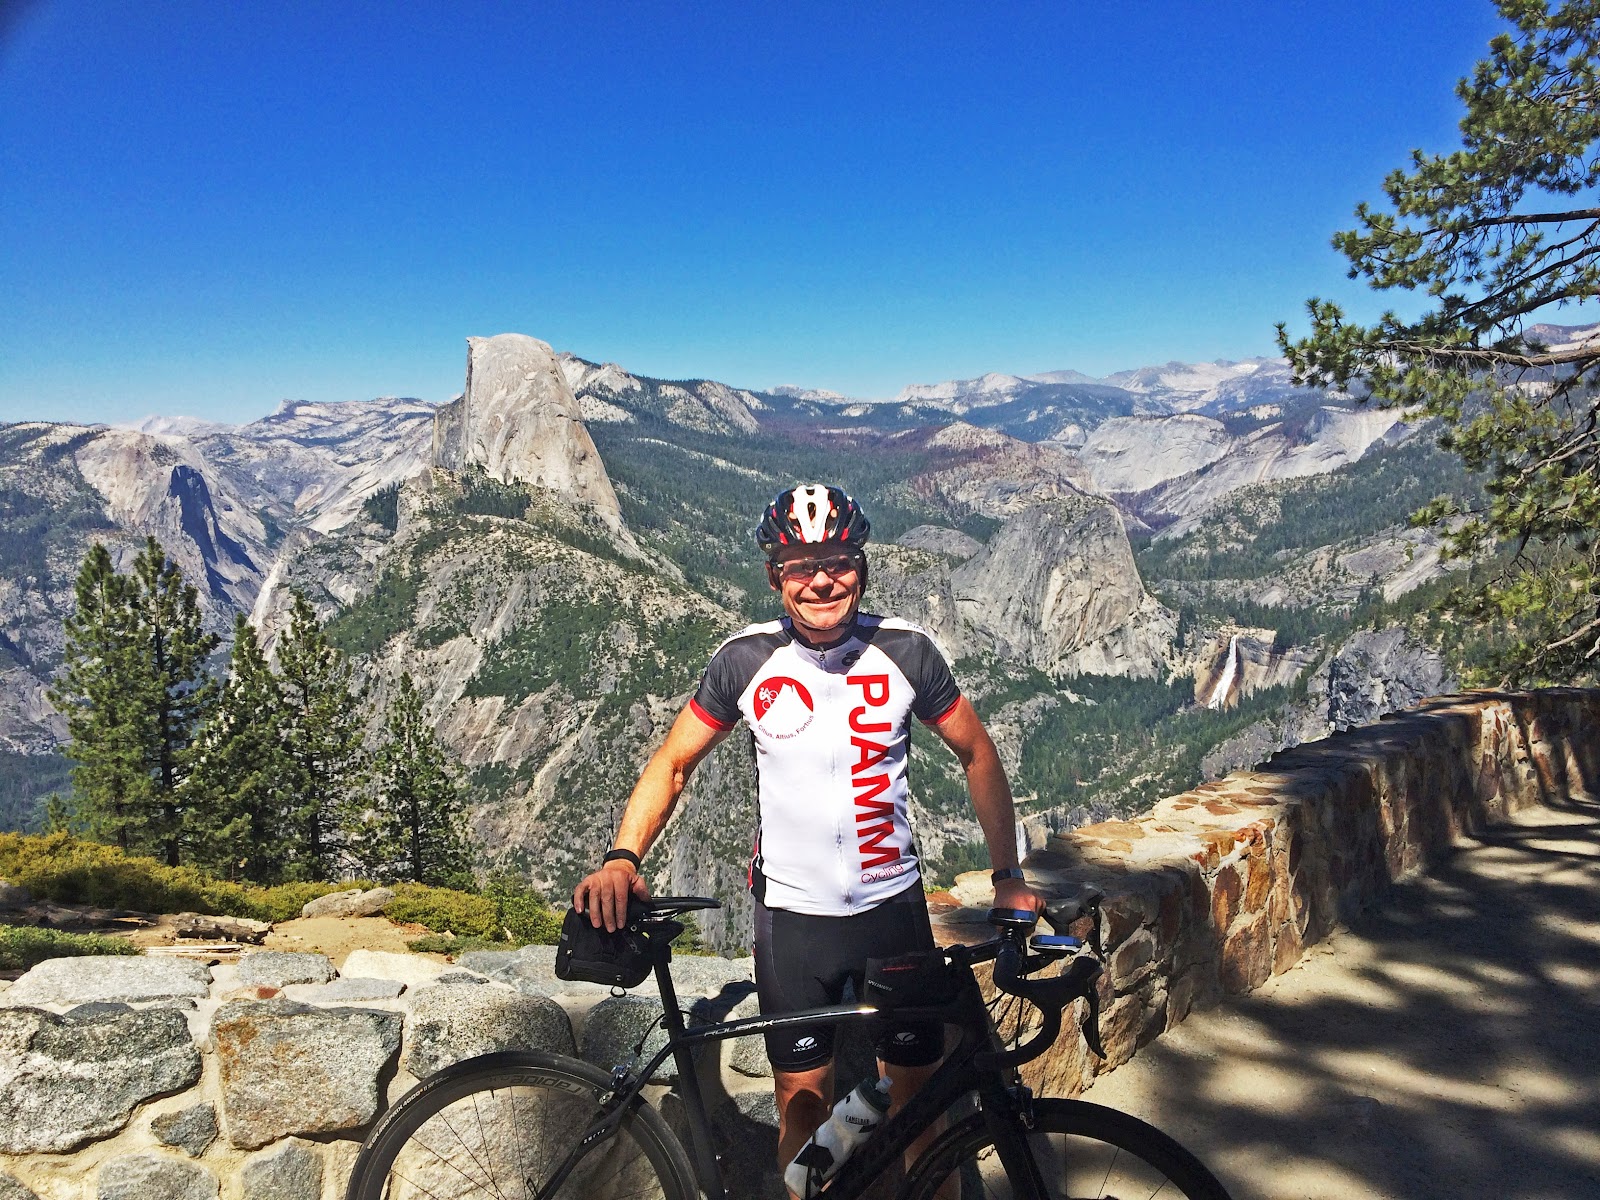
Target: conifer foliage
pixel 239 814
pixel 321 735
pixel 415 827
pixel 134 688
pixel 264 775
pixel 1500 234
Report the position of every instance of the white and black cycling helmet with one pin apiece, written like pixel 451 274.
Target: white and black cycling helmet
pixel 812 514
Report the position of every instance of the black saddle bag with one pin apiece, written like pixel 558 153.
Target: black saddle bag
pixel 621 959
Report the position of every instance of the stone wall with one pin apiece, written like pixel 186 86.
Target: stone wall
pixel 1215 890
pixel 153 1077
pixel 166 1078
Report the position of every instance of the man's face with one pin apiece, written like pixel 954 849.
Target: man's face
pixel 821 587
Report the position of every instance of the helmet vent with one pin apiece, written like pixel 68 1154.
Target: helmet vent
pixel 811 512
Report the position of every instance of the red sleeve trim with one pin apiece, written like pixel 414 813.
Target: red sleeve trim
pixel 705 716
pixel 945 715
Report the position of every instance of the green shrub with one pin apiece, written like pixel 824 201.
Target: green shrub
pixel 521 912
pixel 63 868
pixel 444 943
pixel 505 913
pixel 443 910
pixel 68 870
pixel 23 946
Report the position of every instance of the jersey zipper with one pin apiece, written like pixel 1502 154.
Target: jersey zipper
pixel 841 788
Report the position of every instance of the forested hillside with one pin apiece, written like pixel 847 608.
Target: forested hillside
pixel 552 638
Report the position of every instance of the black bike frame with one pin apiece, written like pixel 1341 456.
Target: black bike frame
pixel 960 1074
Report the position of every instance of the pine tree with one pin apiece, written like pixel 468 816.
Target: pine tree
pixel 179 691
pixel 321 738
pixel 1500 233
pixel 134 687
pixel 415 798
pixel 102 690
pixel 236 825
pixel 415 827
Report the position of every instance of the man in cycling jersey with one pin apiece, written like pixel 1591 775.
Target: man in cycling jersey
pixel 828 692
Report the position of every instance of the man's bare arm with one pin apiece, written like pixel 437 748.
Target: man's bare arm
pixel 964 733
pixel 604 893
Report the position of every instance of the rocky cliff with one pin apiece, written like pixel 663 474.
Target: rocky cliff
pixel 519 422
pixel 1057 588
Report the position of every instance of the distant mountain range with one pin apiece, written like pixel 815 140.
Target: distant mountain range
pixel 566 540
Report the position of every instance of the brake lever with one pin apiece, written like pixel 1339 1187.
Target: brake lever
pixel 1095 941
pixel 1090 1025
pixel 1091 1019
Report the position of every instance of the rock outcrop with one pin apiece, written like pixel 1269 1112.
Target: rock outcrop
pixel 519 422
pixel 1381 671
pixel 159 486
pixel 1057 588
pixel 1134 454
pixel 1329 439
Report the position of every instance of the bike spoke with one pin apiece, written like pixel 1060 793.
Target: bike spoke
pixel 516 1124
pixel 1110 1167
pixel 479 1117
pixel 476 1160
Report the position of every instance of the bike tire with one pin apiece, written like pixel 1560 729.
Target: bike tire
pixel 493 1127
pixel 1084 1152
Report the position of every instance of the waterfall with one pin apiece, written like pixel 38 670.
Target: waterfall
pixel 1230 672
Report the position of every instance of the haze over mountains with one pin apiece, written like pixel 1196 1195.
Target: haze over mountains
pixel 553 553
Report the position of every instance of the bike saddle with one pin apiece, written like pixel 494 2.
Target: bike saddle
pixel 667 906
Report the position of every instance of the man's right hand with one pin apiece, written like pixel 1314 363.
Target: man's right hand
pixel 603 895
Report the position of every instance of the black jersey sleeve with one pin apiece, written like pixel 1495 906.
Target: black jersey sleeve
pixel 918 658
pixel 732 667
pixel 716 700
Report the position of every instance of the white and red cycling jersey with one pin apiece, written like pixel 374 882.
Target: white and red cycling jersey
pixel 832 732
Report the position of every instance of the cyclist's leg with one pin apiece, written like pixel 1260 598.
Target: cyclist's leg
pixel 804 1099
pixel 905 1082
pixel 909 1052
pixel 792 972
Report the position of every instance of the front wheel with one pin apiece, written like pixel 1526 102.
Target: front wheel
pixel 496 1127
pixel 1083 1151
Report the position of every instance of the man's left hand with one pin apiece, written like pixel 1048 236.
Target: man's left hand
pixel 1015 893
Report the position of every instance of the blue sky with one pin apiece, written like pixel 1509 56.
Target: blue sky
pixel 208 208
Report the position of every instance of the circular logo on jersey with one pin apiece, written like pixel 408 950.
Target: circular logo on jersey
pixel 783 707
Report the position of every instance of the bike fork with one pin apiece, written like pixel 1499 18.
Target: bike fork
pixel 1006 1116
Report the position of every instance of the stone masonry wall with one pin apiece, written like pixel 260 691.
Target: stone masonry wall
pixel 160 1077
pixel 1215 890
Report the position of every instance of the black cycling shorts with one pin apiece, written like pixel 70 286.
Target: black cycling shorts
pixel 807 962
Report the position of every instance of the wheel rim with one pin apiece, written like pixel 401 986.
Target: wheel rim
pixel 1072 1166
pixel 1083 1168
pixel 502 1143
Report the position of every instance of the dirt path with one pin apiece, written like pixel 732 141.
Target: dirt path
pixel 1446 1047
pixel 333 936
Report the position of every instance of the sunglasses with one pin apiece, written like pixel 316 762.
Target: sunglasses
pixel 801 569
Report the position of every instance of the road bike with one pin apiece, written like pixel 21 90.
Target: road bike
pixel 530 1125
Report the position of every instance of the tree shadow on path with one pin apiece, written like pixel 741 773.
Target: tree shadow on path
pixel 1447 1045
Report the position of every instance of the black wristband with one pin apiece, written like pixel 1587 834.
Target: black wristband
pixel 1006 873
pixel 622 856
